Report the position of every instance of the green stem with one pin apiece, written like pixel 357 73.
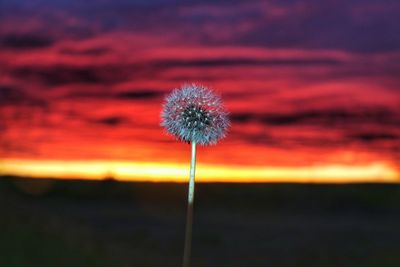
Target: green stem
pixel 189 214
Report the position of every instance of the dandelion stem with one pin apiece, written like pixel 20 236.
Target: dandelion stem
pixel 189 214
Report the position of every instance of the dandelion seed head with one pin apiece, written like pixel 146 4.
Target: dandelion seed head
pixel 194 113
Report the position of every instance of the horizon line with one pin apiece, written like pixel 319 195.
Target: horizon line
pixel 178 172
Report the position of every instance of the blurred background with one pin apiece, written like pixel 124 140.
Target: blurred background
pixel 307 176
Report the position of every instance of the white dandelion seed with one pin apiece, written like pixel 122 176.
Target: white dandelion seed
pixel 194 114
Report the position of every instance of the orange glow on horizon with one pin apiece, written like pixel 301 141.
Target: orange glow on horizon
pixel 165 172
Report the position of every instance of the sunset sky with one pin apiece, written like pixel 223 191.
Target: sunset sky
pixel 312 87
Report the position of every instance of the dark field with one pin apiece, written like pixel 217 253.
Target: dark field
pixel 82 223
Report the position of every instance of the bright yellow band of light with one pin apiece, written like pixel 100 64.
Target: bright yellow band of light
pixel 162 172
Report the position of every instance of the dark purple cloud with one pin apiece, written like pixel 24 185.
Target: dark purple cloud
pixel 351 25
pixel 326 118
pixel 24 41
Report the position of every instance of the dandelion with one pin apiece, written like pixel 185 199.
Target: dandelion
pixel 194 114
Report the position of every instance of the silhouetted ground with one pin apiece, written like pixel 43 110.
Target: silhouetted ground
pixel 82 223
